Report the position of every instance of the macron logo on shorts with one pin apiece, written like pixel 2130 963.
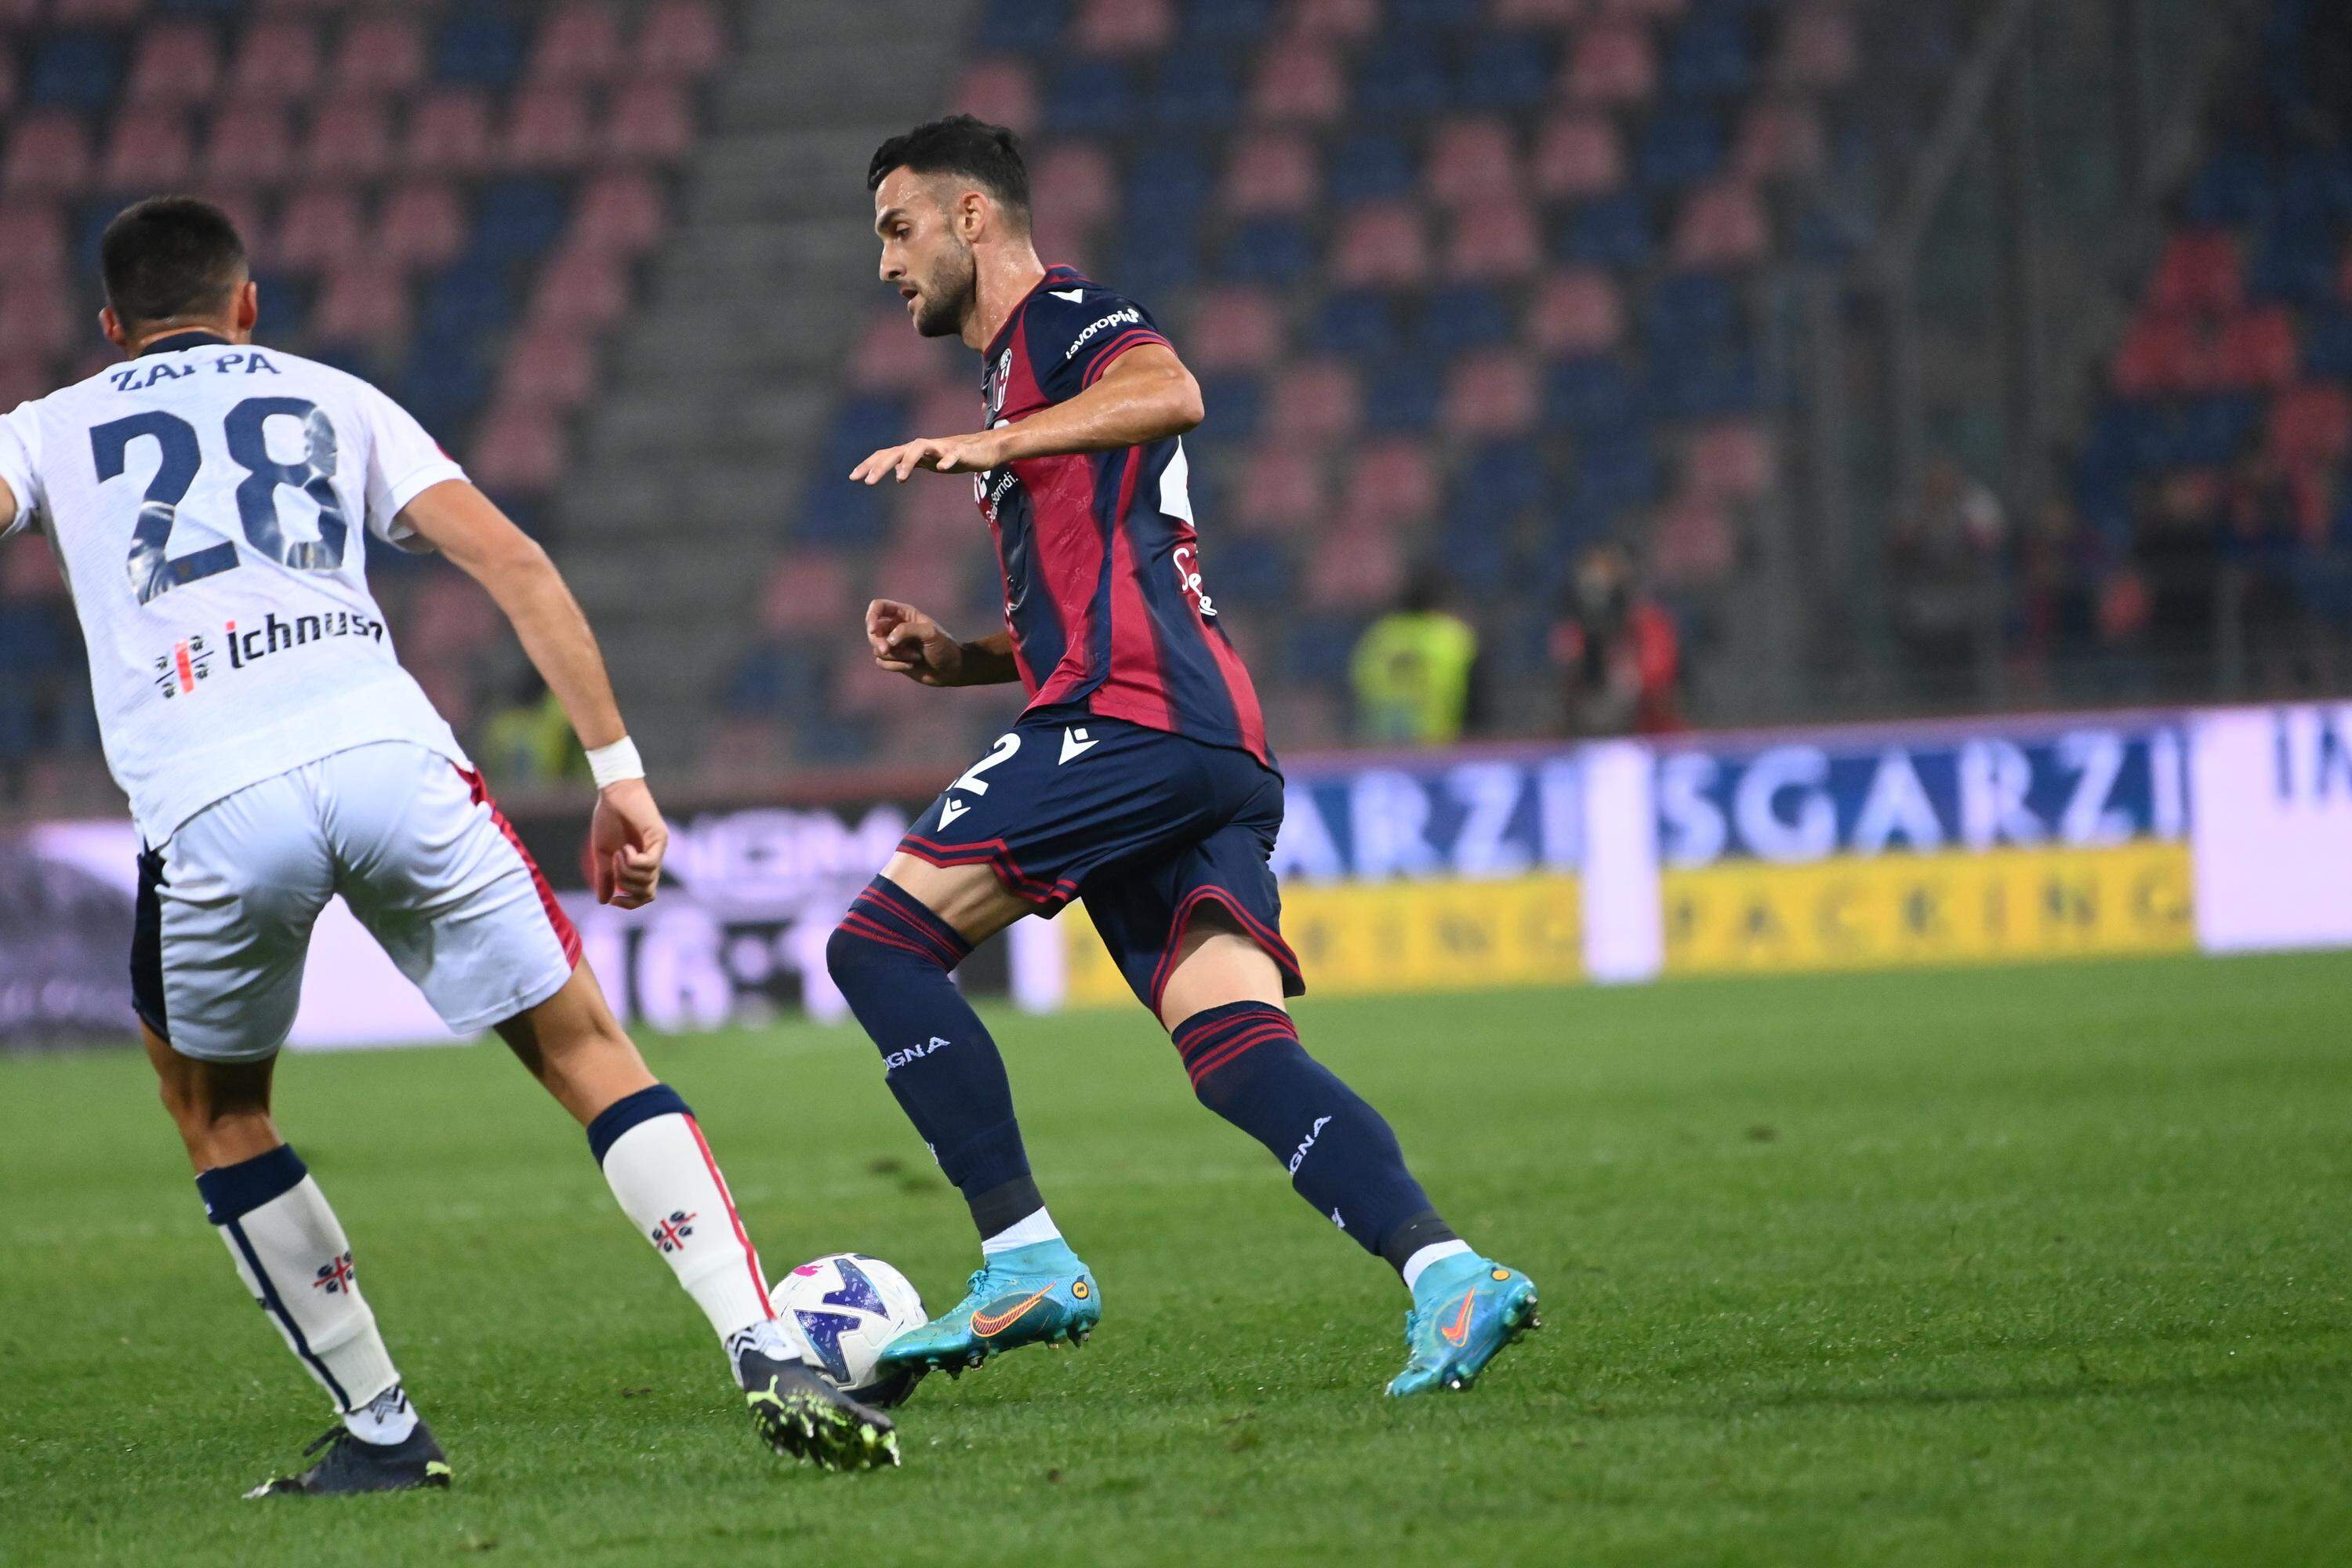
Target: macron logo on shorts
pixel 1076 743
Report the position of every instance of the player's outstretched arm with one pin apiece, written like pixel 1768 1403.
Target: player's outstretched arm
pixel 909 643
pixel 7 508
pixel 1147 394
pixel 627 835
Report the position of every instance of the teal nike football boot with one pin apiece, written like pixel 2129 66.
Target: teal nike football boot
pixel 1039 1294
pixel 1465 1309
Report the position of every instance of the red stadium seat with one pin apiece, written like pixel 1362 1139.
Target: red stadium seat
pixel 1298 84
pixel 1496 244
pixel 1390 487
pixel 1542 12
pixel 1613 62
pixel 366 303
pixel 1347 20
pixel 1473 164
pixel 1233 328
pixel 174 62
pixel 893 357
pixel 350 139
pixel 1002 92
pixel 448 619
pixel 548 130
pixel 1731 461
pixel 622 213
pixel 680 38
pixel 1576 313
pixel 7 80
pixel 937 517
pixel 1491 395
pixel 920 576
pixel 945 408
pixel 2257 350
pixel 251 144
pixel 806 589
pixel 1578 154
pixel 548 367
pixel 36 316
pixel 421 225
pixel 1272 172
pixel 1282 489
pixel 47 155
pixel 1076 183
pixel 1355 567
pixel 2200 273
pixel 100 13
pixel 1779 139
pixel 1644 10
pixel 149 148
pixel 277 58
pixel 448 133
pixel 319 229
pixel 37 243
pixel 1817 49
pixel 1722 225
pixel 20 13
pixel 1691 543
pixel 379 53
pixel 650 122
pixel 27 574
pixel 579 44
pixel 1123 26
pixel 1314 400
pixel 579 288
pixel 1380 246
pixel 519 451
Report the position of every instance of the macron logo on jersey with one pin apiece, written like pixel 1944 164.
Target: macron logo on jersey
pixel 1072 295
pixel 1129 317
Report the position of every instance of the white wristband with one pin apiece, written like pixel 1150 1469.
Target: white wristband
pixel 616 762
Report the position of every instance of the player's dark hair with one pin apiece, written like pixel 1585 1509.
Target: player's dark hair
pixel 170 257
pixel 988 155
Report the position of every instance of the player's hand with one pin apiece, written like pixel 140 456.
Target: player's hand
pixel 945 454
pixel 626 838
pixel 909 643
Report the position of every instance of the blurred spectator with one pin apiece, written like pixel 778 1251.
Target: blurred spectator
pixel 1945 559
pixel 1619 655
pixel 527 740
pixel 1415 671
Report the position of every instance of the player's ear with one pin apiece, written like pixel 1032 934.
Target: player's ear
pixel 249 305
pixel 971 214
pixel 111 326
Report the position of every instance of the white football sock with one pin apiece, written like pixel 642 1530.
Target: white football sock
pixel 1436 1252
pixel 1027 1232
pixel 669 1186
pixel 292 1255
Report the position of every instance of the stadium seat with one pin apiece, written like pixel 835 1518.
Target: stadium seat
pixel 1002 91
pixel 1233 328
pixel 1613 231
pixel 1355 325
pixel 1612 62
pixel 1370 168
pixel 1123 26
pixel 364 304
pixel 520 220
pixel 1593 393
pixel 477 47
pixel 422 225
pixel 1779 139
pixel 148 148
pixel 34 316
pixel 1691 543
pixel 1025 27
pixel 251 144
pixel 1334 20
pixel 448 133
pixel 1495 243
pixel 2159 353
pixel 1091 98
pixel 582 289
pixel 78 70
pixel 1731 461
pixel 174 62
pixel 1709 59
pixel 1401 81
pixel 1390 486
pixel 1817 48
pixel 2257 350
pixel 378 53
pixel 622 213
pixel 277 58
pixel 2327 345
pixel 1220 24
pixel 578 45
pixel 1380 244
pixel 2311 423
pixel 1076 183
pixel 1423 17
pixel 648 122
pixel 86 12
pixel 349 139
pixel 36 241
pixel 518 450
pixel 680 40
pixel 47 155
pixel 1401 396
pixel 1298 84
pixel 547 129
pixel 1491 395
pixel 1271 173
pixel 1315 400
pixel 1578 154
pixel 1273 250
pixel 1548 14
pixel 1681 146
pixel 1473 164
pixel 1458 320
pixel 1722 225
pixel 807 588
pixel 1577 313
pixel 319 229
pixel 1353 567
pixel 1195 92
pixel 1506 73
pixel 889 357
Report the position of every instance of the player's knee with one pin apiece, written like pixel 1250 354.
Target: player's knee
pixel 851 958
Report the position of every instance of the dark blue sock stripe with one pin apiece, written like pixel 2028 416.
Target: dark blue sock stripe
pixel 1215 1026
pixel 893 906
pixel 276 1306
pixel 627 1111
pixel 232 1191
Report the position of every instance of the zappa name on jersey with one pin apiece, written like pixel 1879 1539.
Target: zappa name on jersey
pixel 142 374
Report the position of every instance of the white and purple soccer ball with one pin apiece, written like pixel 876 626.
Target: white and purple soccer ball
pixel 847 1306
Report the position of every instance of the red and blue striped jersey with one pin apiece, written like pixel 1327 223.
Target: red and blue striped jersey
pixel 1103 590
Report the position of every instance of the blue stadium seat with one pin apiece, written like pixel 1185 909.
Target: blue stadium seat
pixel 1612 477
pixel 1252 570
pixel 1195 92
pixel 519 219
pixel 1321 645
pixel 444 388
pixel 1612 232
pixel 1693 314
pixel 76 70
pixel 2327 346
pixel 465 303
pixel 1505 72
pixel 2233 190
pixel 203 7
pixel 1682 146
pixel 1710 60
pixel 1505 476
pixel 2211 430
pixel 1274 251
pixel 1369 167
pixel 478 48
pixel 833 741
pixel 1151 264
pixel 1592 395
pixel 1402 395
pixel 1026 26
pixel 1457 320
pixel 2295 257
pixel 1218 23
pixel 835 511
pixel 1236 405
pixel 1093 98
pixel 1399 81
pixel 285 301
pixel 777 680
pixel 861 426
pixel 1430 15
pixel 1476 543
pixel 1360 325
pixel 1704 389
pixel 1174 181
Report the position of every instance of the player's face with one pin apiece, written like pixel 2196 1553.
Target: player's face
pixel 923 256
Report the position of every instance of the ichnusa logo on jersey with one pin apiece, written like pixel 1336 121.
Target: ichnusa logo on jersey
pixel 178 672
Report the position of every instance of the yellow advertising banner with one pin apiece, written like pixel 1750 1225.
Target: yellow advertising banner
pixel 1366 939
pixel 1954 907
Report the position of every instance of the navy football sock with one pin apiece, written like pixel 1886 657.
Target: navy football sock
pixel 891 956
pixel 1248 1066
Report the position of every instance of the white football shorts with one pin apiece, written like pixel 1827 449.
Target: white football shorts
pixel 416 846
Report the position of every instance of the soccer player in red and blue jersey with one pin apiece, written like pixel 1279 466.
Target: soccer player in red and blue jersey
pixel 1138 778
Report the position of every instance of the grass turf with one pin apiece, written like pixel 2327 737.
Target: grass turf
pixel 2035 1265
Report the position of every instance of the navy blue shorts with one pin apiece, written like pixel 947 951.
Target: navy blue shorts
pixel 1144 825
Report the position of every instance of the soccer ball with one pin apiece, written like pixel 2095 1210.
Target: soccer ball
pixel 847 1306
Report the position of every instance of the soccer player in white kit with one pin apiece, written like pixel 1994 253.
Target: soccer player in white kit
pixel 205 500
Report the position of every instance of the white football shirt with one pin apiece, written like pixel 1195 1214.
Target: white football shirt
pixel 206 501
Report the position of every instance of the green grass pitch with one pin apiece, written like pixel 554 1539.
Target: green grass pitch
pixel 2027 1266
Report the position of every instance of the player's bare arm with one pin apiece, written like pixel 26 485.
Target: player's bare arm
pixel 1145 395
pixel 908 642
pixel 626 834
pixel 8 507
